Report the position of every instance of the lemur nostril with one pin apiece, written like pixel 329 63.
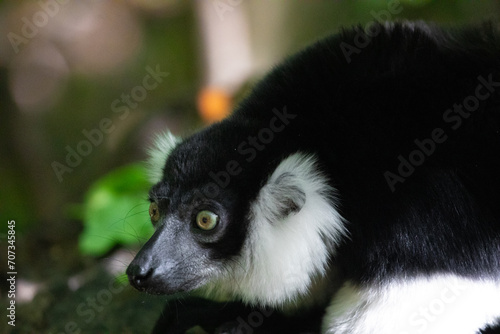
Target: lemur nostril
pixel 139 276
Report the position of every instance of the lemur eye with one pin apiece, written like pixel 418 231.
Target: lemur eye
pixel 154 213
pixel 207 220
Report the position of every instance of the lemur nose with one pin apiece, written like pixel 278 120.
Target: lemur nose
pixel 139 276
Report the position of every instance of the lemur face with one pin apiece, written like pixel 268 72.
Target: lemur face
pixel 189 245
pixel 193 216
pixel 231 231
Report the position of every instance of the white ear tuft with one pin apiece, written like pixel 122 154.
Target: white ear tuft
pixel 163 145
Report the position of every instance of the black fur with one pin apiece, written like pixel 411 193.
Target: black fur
pixel 232 318
pixel 494 329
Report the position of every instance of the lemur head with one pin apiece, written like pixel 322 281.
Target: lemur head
pixel 230 225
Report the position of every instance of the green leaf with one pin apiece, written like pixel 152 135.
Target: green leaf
pixel 115 211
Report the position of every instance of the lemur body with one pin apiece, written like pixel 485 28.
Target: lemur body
pixel 371 185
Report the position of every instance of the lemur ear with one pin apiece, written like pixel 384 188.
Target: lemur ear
pixel 163 145
pixel 282 196
pixel 285 192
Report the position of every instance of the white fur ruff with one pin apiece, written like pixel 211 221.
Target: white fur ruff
pixel 435 305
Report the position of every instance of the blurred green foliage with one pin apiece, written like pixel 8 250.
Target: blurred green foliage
pixel 115 211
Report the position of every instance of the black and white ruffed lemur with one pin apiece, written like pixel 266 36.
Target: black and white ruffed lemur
pixel 374 164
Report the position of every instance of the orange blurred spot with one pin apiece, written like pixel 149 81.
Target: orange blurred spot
pixel 214 104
